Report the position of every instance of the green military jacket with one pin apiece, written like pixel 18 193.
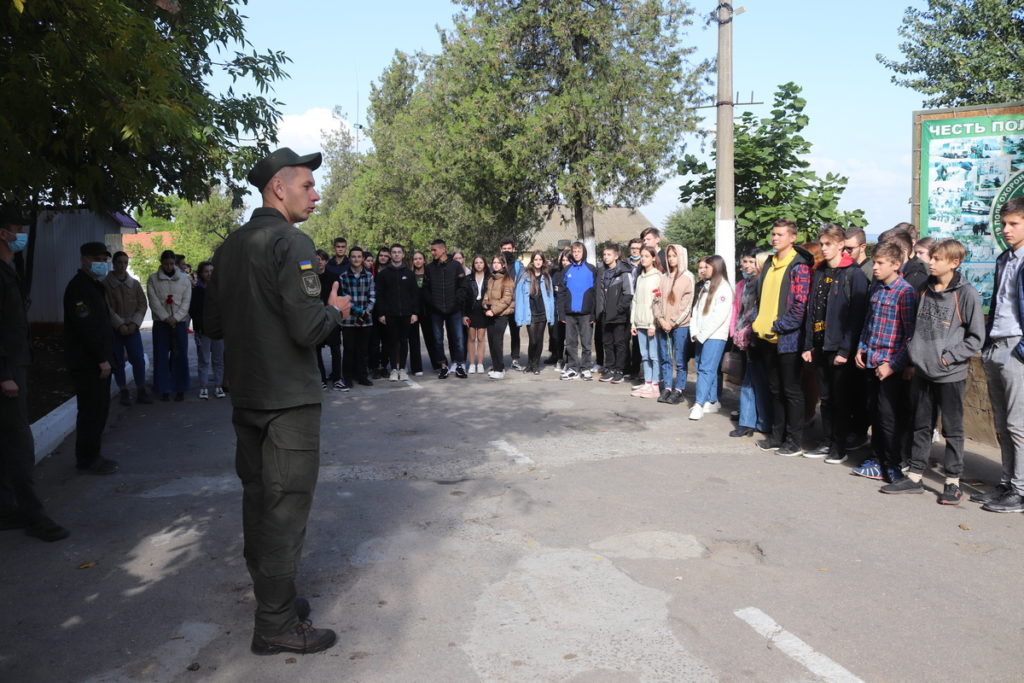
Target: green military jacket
pixel 264 301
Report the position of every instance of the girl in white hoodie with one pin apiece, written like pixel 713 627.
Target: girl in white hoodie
pixel 642 323
pixel 709 329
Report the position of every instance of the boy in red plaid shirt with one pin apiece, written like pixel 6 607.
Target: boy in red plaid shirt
pixel 884 349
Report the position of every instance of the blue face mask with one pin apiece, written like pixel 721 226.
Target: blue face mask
pixel 19 243
pixel 99 268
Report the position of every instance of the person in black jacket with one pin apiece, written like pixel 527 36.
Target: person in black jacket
pixel 614 294
pixel 328 277
pixel 21 507
pixel 398 302
pixel 836 307
pixel 443 291
pixel 89 352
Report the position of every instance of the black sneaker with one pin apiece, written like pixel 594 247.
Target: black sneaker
pixel 365 382
pixel 740 432
pixel 835 457
pixel 1010 502
pixel 855 441
pixel 821 451
pixel 987 497
pixel 951 495
pixel 303 639
pixel 616 378
pixel 323 385
pixel 460 371
pixel 443 372
pixel 606 376
pixel 100 465
pixel 516 365
pixel 45 529
pixel 904 485
pixel 790 450
pixel 663 396
pixel 675 397
pixel 769 444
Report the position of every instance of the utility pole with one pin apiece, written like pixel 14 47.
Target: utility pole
pixel 725 178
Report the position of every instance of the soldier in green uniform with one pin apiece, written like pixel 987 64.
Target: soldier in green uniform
pixel 264 301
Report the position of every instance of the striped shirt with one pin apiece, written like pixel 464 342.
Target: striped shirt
pixel 889 324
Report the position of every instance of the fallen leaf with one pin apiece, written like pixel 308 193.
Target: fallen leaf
pixel 87 565
pixel 822 569
pixel 965 527
pixel 290 660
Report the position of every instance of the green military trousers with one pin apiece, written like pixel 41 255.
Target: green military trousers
pixel 278 459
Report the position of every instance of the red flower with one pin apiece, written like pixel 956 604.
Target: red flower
pixel 170 300
pixel 656 292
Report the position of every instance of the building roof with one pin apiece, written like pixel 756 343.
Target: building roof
pixel 145 239
pixel 616 223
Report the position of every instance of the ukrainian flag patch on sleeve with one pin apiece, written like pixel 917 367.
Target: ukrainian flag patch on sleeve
pixel 305 265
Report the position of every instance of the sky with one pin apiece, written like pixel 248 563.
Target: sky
pixel 860 122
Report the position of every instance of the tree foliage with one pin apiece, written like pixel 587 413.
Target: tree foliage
pixel 962 52
pixel 773 179
pixel 694 228
pixel 106 101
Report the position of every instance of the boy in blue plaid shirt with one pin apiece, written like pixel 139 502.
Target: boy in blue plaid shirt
pixel 884 349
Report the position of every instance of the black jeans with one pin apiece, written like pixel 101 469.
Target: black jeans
pixel 396 335
pixel 496 342
pixel 860 417
pixel 513 330
pixel 535 332
pixel 615 336
pixel 948 397
pixel 415 354
pixel 357 343
pixel 557 332
pixel 889 403
pixel 93 408
pixel 333 342
pixel 599 355
pixel 784 371
pixel 18 452
pixel 579 331
pixel 427 327
pixel 834 387
pixel 633 358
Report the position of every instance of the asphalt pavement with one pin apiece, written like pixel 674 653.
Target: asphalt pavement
pixel 527 529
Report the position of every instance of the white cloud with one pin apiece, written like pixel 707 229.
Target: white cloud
pixel 304 132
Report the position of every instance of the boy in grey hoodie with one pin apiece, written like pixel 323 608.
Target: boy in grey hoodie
pixel 950 329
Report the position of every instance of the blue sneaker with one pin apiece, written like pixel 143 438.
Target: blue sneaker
pixel 869 469
pixel 895 474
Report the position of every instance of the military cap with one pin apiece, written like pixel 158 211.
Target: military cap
pixel 93 249
pixel 265 169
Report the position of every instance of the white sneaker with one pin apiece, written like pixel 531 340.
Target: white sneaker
pixel 494 374
pixel 418 374
pixel 471 369
pixel 587 374
pixel 393 377
pixel 204 393
pixel 403 376
pixel 219 392
pixel 697 411
pixel 710 407
pixel 558 366
pixel 480 369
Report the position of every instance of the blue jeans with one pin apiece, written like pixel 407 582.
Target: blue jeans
pixel 680 337
pixel 755 397
pixel 708 356
pixel 649 356
pixel 456 341
pixel 211 352
pixel 170 357
pixel 130 346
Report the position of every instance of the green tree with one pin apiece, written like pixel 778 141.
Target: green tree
pixel 604 89
pixel 773 179
pixel 106 101
pixel 341 162
pixel 962 52
pixel 694 228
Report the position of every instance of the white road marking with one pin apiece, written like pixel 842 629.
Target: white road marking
pixel 803 653
pixel 513 452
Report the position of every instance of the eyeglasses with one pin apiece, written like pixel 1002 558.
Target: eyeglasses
pixel 849 250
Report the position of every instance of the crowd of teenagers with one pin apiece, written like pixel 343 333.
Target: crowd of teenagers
pixel 877 345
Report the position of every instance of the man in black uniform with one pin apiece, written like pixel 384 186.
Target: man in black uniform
pixel 21 506
pixel 89 350
pixel 264 301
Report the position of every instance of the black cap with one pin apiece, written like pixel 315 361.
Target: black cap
pixel 11 214
pixel 265 169
pixel 93 249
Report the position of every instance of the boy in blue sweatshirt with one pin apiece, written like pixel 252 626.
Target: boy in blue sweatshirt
pixel 948 331
pixel 578 313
